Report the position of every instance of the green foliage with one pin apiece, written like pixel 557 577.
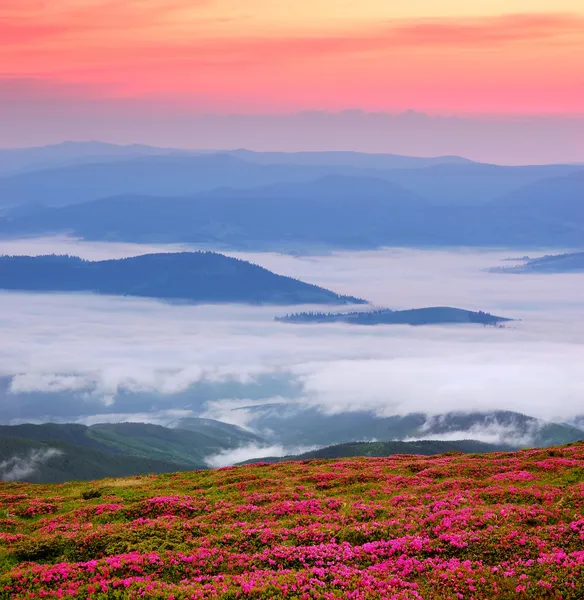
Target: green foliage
pixel 7 560
pixel 91 494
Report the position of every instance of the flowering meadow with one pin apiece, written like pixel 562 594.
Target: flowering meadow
pixel 494 526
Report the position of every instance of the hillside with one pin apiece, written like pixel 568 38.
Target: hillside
pixel 18 160
pixel 198 277
pixel 561 197
pixel 439 315
pixel 278 214
pixel 379 449
pixel 347 159
pixel 473 184
pixel 186 447
pixel 482 526
pixel 162 175
pixel 334 211
pixel 57 462
pixel 217 430
pixel 556 263
pixel 242 200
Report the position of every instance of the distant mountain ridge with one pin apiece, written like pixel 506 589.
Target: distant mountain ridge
pixel 14 160
pixel 165 173
pixel 19 160
pixel 563 194
pixel 199 277
pixel 244 199
pixel 294 425
pixel 346 159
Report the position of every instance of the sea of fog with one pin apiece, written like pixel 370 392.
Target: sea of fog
pixel 92 358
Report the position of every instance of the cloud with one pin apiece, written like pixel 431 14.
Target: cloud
pixel 252 451
pixel 492 433
pixel 159 18
pixel 240 411
pixel 486 32
pixel 84 357
pixel 47 382
pixel 489 31
pixel 18 467
pixel 166 418
pixel 25 22
pixel 459 376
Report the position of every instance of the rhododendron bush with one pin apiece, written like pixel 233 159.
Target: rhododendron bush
pixel 505 526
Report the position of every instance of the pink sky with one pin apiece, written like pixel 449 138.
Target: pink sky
pixel 105 60
pixel 227 56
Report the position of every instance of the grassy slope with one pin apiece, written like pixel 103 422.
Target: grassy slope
pixel 76 462
pixel 139 440
pixel 163 443
pixel 505 525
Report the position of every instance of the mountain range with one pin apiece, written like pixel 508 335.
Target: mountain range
pixel 24 459
pixel 15 160
pixel 186 445
pixel 21 160
pixel 243 199
pixel 53 452
pixel 294 425
pixel 57 452
pixel 337 210
pixel 70 173
pixel 166 175
pixel 198 277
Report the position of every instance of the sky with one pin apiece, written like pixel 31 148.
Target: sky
pixel 93 358
pixel 522 56
pixel 71 63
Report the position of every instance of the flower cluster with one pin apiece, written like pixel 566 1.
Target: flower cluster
pixel 504 525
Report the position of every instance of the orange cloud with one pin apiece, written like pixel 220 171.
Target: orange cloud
pixel 22 22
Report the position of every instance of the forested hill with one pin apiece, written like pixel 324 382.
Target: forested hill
pixel 378 449
pixel 199 277
pixel 418 316
pixel 555 263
